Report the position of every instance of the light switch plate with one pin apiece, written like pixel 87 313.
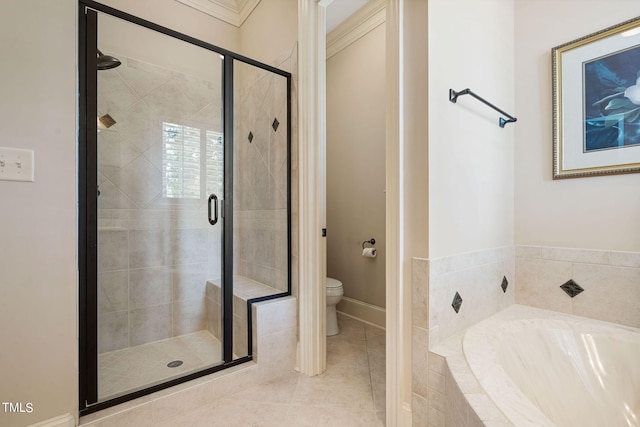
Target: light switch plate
pixel 16 164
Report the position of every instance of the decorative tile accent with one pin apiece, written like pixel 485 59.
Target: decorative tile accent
pixel 505 284
pixel 536 283
pixel 571 288
pixel 476 275
pixel 250 137
pixel 106 121
pixel 457 302
pixel 275 124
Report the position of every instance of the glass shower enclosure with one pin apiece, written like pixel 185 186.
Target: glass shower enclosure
pixel 184 204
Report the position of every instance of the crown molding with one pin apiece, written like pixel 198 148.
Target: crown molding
pixel 356 26
pixel 234 12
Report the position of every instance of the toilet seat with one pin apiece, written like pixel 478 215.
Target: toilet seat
pixel 333 283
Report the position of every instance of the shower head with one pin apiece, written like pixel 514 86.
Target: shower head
pixel 106 62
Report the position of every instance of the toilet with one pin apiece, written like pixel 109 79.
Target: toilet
pixel 334 295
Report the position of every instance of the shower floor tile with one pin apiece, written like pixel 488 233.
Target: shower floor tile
pixel 133 368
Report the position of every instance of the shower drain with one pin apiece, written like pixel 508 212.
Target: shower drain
pixel 174 364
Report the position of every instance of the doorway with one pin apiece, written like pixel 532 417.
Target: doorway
pixel 311 92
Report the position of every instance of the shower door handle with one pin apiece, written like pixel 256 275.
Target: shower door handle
pixel 213 220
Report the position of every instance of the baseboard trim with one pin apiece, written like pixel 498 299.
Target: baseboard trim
pixel 65 420
pixel 367 313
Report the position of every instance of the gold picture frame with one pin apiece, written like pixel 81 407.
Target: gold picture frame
pixel 596 103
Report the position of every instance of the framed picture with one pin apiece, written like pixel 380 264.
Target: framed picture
pixel 596 103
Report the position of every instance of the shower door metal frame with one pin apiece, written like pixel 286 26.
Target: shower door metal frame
pixel 88 206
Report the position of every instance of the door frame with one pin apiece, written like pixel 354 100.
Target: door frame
pixel 312 205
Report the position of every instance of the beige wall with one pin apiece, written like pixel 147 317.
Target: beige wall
pixel 38 288
pixel 416 126
pixel 178 17
pixel 38 221
pixel 594 213
pixel 264 42
pixel 123 38
pixel 471 159
pixel 355 166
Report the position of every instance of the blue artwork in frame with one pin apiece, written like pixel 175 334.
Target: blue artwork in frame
pixel 612 101
pixel 596 103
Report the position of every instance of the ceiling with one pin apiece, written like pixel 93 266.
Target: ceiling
pixel 235 12
pixel 339 10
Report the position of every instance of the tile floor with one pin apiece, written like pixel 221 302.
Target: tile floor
pixel 137 367
pixel 350 393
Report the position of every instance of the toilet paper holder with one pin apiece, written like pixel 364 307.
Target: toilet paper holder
pixel 371 242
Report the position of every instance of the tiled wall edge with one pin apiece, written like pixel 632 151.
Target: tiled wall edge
pixel 463 261
pixel 420 362
pixel 419 410
pixel 466 402
pixel 582 256
pixel 437 390
pixel 420 292
pixel 468 260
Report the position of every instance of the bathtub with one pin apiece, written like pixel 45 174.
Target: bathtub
pixel 543 368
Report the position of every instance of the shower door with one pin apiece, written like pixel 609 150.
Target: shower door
pixel 159 168
pixel 184 204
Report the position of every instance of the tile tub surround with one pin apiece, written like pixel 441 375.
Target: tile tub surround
pixel 476 276
pixel 420 342
pixel 611 277
pixel 611 282
pixel 457 399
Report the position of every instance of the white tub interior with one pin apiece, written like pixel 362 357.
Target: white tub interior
pixel 548 369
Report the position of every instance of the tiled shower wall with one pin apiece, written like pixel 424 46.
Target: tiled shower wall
pixel 260 189
pixel 155 253
pixel 260 150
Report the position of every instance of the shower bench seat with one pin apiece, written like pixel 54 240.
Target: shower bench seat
pixel 244 289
